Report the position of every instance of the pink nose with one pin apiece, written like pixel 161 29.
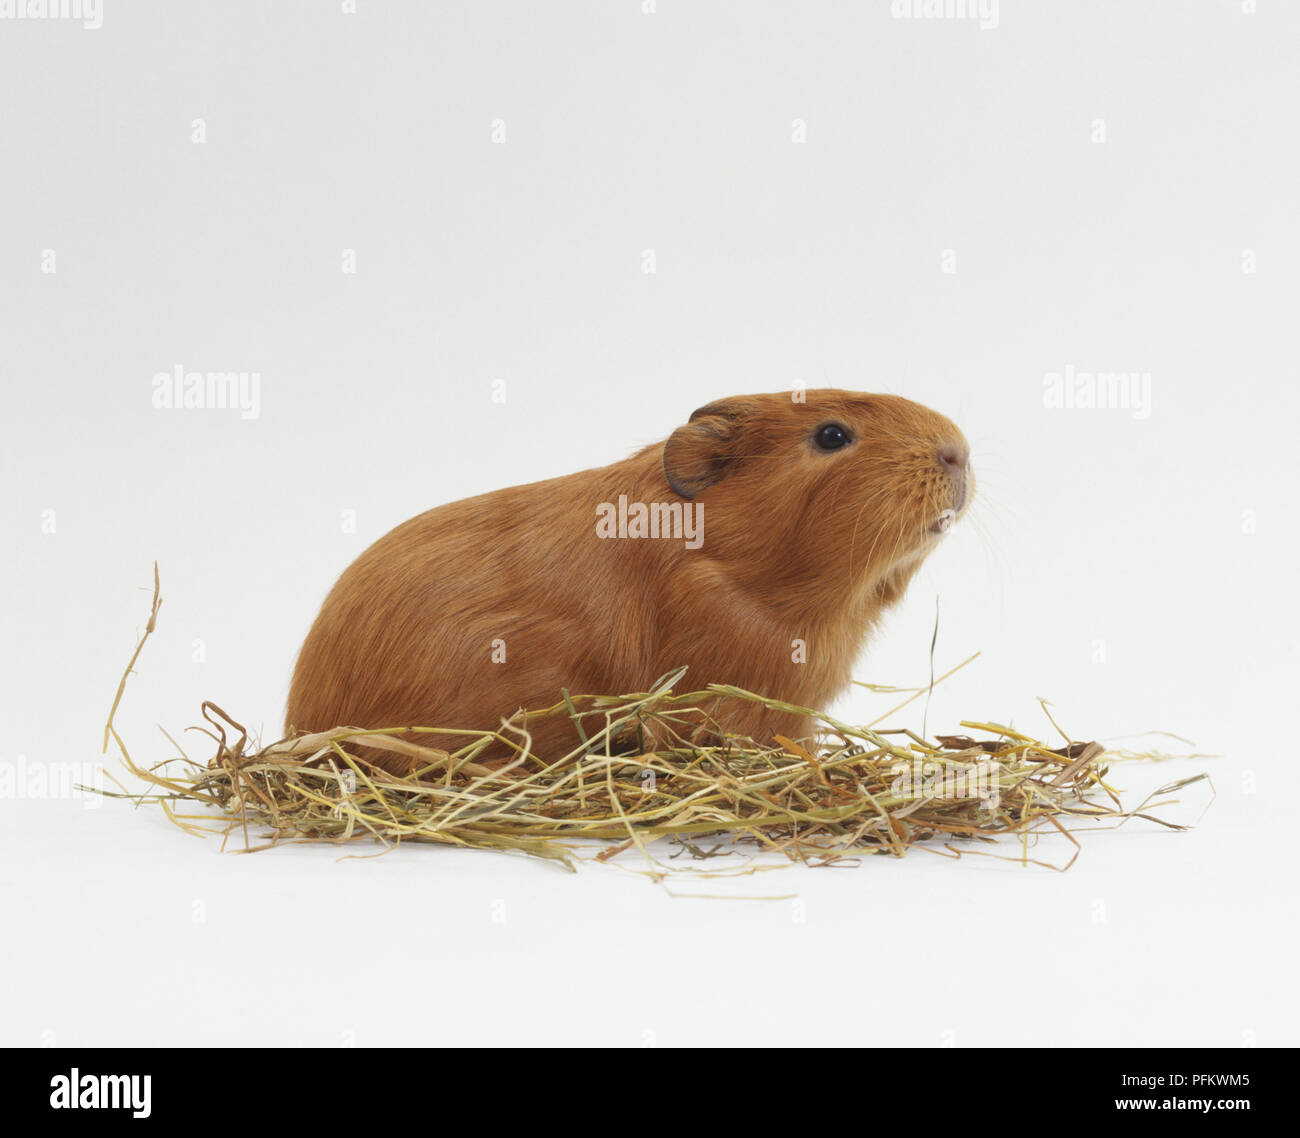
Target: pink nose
pixel 955 457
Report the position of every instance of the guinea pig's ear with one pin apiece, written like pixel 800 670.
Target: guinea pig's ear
pixel 701 453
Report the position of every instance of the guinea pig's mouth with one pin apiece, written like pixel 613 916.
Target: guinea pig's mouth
pixel 943 522
pixel 961 499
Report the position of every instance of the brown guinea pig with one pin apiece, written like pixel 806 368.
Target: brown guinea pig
pixel 785 525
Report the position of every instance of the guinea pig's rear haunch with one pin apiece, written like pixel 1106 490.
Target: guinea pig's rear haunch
pixel 796 520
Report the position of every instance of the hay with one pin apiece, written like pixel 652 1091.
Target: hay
pixel 854 791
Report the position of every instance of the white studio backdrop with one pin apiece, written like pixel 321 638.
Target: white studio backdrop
pixel 460 246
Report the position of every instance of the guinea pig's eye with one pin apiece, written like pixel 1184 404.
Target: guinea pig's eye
pixel 831 436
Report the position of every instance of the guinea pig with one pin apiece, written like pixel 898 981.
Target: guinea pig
pixel 758 545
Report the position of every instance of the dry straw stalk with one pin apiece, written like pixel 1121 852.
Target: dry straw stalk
pixel 853 791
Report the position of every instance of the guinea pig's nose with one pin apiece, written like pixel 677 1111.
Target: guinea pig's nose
pixel 955 457
pixel 955 460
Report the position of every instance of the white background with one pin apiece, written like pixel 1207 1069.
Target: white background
pixel 1139 572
